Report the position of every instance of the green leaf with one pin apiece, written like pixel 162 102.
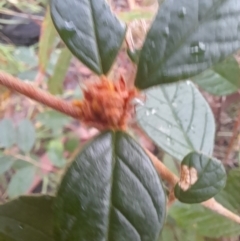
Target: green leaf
pixel 178 119
pixel 202 177
pixel 8 133
pixel 113 189
pixel 21 181
pixel 26 135
pixel 91 31
pixel 6 163
pixel 53 120
pixel 207 223
pixel 229 196
pixel 27 218
pixel 203 221
pixel 46 42
pixel 186 38
pixel 171 232
pixel 55 83
pixel 222 79
pixel 56 153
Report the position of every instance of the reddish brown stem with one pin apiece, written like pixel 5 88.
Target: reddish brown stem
pixel 38 95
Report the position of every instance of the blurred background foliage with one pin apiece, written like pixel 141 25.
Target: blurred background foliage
pixel 37 143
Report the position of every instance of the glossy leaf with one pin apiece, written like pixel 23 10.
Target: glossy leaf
pixel 202 177
pixel 27 218
pixel 8 133
pixel 178 119
pixel 21 181
pixel 5 163
pixel 55 83
pixel 112 192
pixel 186 38
pixel 91 31
pixel 26 135
pixel 222 79
pixel 46 42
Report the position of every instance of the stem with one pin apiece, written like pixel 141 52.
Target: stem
pixel 38 95
pixel 68 109
pixel 172 179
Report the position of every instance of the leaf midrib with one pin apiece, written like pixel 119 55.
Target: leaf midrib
pixel 95 35
pixel 176 118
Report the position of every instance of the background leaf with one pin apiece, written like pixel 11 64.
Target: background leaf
pixel 21 181
pixel 207 174
pixel 5 163
pixel 46 42
pixel 26 135
pixel 55 83
pixel 222 79
pixel 186 38
pixel 27 218
pixel 123 199
pixel 205 222
pixel 8 133
pixel 178 119
pixel 91 31
pixel 56 153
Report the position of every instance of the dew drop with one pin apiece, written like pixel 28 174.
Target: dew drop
pixel 198 48
pixel 188 82
pixel 192 128
pixel 182 12
pixel 166 31
pixel 151 111
pixel 168 140
pixel 69 25
pixel 21 226
pixel 137 101
pixel 174 104
pixel 153 44
pixel 169 126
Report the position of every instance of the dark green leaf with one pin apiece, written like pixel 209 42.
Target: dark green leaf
pixel 186 38
pixel 178 119
pixel 222 79
pixel 112 192
pixel 26 135
pixel 21 181
pixel 27 218
pixel 55 83
pixel 90 30
pixel 5 163
pixel 202 177
pixel 8 133
pixel 134 55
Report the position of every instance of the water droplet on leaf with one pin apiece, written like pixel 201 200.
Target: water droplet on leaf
pixel 198 48
pixel 182 12
pixel 137 101
pixel 21 226
pixel 69 25
pixel 166 31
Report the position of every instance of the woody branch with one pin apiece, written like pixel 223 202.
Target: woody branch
pixel 70 110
